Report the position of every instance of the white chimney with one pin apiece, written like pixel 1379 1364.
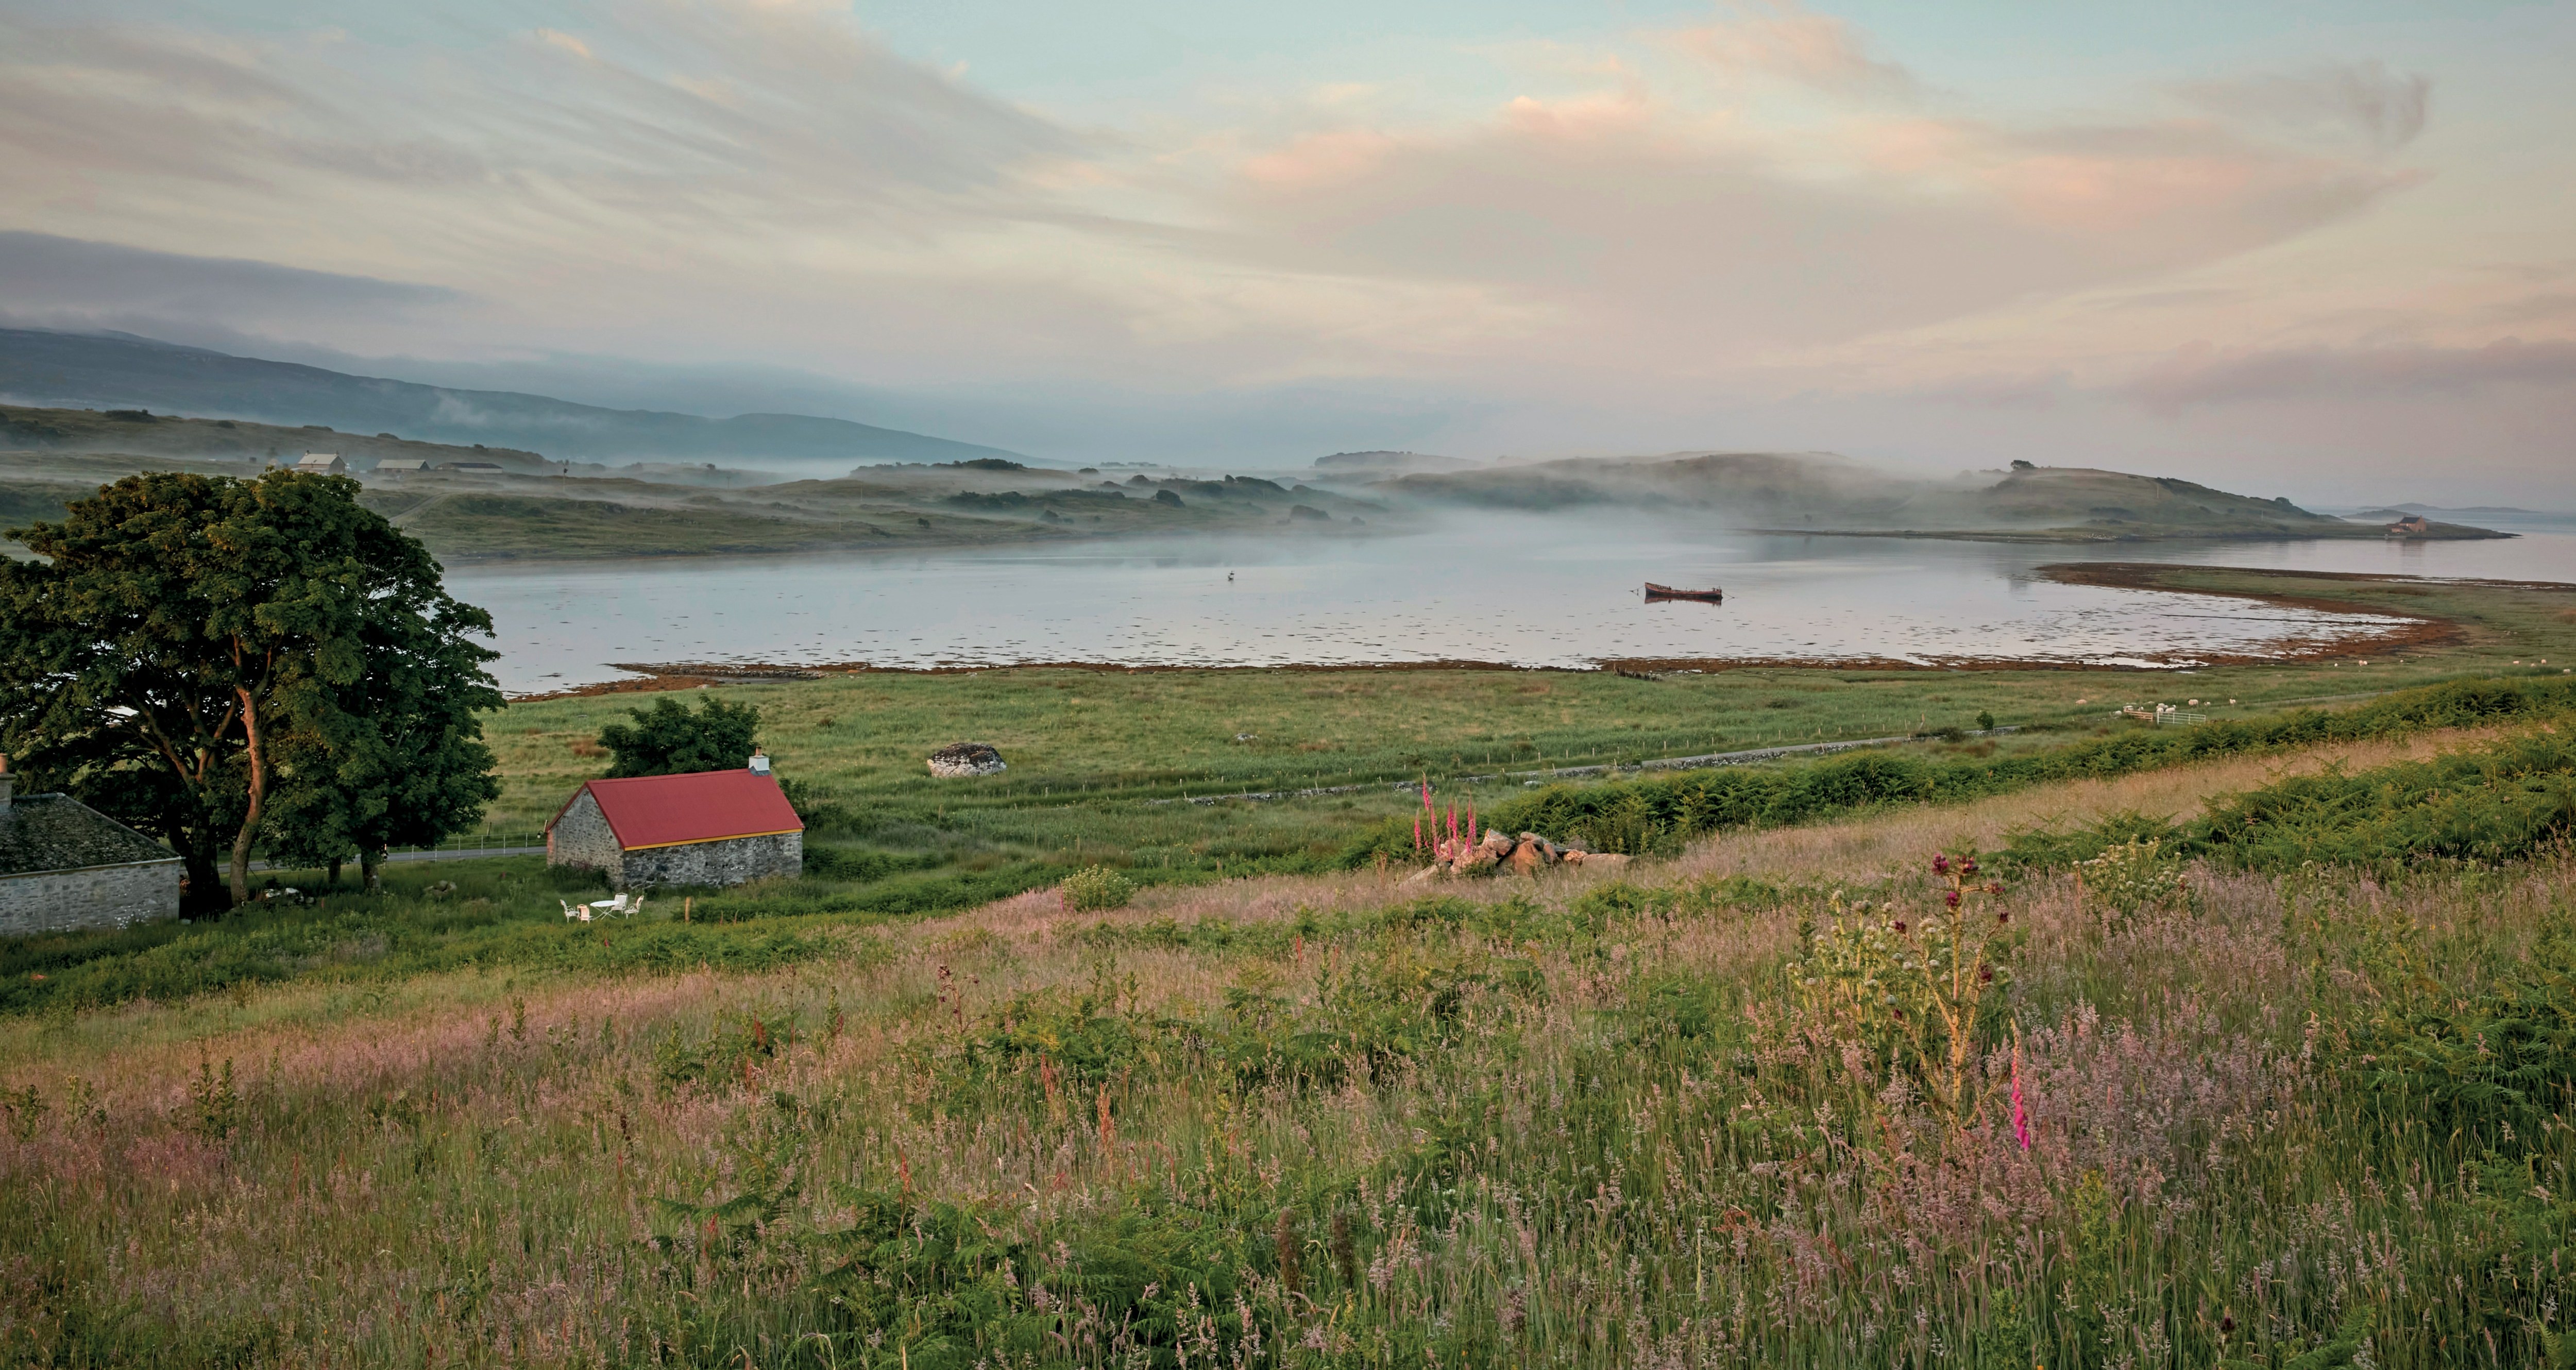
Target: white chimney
pixel 759 762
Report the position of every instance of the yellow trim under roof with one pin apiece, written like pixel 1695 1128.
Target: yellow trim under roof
pixel 702 841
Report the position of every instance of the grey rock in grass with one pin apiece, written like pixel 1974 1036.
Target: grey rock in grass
pixel 961 759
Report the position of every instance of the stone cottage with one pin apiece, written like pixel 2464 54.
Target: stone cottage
pixel 709 828
pixel 65 865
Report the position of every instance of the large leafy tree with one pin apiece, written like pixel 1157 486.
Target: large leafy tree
pixel 668 739
pixel 182 634
pixel 399 761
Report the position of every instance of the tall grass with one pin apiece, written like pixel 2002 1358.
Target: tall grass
pixel 1554 1122
pixel 1666 810
pixel 2505 800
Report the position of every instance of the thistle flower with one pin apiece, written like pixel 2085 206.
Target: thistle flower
pixel 2021 1114
pixel 1950 897
pixel 1968 866
pixel 1940 864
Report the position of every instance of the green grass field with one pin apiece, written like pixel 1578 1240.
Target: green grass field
pixel 2272 1094
pixel 1099 757
pixel 2206 1116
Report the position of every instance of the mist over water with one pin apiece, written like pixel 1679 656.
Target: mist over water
pixel 1527 590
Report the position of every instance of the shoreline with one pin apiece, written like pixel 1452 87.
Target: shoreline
pixel 2081 537
pixel 2413 633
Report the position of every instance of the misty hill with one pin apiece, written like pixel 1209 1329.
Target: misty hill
pixel 477 509
pixel 1822 492
pixel 1752 488
pixel 122 371
pixel 1368 464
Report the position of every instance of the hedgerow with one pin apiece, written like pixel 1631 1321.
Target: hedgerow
pixel 1657 812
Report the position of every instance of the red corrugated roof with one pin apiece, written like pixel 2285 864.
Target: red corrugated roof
pixel 709 806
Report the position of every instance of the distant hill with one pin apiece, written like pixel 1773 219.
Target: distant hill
pixel 1821 492
pixel 475 509
pixel 142 433
pixel 122 371
pixel 1747 488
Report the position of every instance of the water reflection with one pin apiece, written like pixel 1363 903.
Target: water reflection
pixel 1526 590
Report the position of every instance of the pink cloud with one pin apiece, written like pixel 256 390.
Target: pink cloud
pixel 1783 40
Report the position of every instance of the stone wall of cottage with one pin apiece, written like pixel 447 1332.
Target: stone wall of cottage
pixel 729 862
pixel 99 897
pixel 582 837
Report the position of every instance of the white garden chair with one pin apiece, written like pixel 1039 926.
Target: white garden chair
pixel 622 906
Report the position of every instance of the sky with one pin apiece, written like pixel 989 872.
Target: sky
pixel 2318 249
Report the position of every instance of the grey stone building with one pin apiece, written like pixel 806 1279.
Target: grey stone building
pixel 706 828
pixel 65 865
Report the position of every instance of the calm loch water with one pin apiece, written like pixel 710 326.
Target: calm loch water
pixel 1529 591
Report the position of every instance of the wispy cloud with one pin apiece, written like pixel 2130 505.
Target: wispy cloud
pixel 49 279
pixel 2205 375
pixel 1773 38
pixel 1768 201
pixel 2362 101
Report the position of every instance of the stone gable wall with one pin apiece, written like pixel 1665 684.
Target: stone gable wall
pixel 100 897
pixel 582 837
pixel 729 862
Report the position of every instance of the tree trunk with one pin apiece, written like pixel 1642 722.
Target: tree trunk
pixel 204 892
pixel 254 749
pixel 371 867
pixel 331 878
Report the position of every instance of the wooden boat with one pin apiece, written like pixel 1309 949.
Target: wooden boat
pixel 1655 592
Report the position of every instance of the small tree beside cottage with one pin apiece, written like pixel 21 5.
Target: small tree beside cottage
pixel 667 739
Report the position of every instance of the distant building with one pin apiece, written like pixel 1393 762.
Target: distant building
pixel 322 464
pixel 707 828
pixel 492 467
pixel 2411 526
pixel 65 865
pixel 408 466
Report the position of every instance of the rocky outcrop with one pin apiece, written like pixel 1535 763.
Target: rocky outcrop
pixel 1499 854
pixel 961 759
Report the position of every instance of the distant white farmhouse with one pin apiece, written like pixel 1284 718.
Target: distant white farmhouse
pixel 322 464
